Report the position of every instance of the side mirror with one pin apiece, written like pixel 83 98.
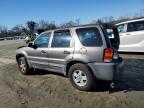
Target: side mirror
pixel 30 44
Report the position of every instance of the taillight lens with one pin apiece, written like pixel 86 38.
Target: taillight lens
pixel 108 55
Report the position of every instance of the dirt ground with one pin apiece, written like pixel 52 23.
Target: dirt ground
pixel 47 90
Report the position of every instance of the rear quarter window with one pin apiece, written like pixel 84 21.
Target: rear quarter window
pixel 89 37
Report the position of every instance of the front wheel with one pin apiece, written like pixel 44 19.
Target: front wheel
pixel 23 66
pixel 81 77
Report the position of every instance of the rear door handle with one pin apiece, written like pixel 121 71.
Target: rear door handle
pixel 43 51
pixel 66 52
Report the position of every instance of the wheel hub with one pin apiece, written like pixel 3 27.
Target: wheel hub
pixel 79 78
pixel 22 66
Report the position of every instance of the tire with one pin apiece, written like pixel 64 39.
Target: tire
pixel 23 66
pixel 81 77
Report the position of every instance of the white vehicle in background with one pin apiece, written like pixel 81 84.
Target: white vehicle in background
pixel 131 35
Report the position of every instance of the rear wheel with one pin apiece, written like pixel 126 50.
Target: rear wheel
pixel 23 66
pixel 81 77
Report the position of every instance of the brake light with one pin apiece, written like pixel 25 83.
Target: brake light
pixel 108 55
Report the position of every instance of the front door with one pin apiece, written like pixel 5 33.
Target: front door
pixel 38 56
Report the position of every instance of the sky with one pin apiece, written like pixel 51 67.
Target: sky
pixel 13 12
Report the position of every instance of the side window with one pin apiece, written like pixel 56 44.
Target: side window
pixel 61 38
pixel 120 28
pixel 140 25
pixel 135 26
pixel 43 40
pixel 131 27
pixel 90 37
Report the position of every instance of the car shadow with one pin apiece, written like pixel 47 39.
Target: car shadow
pixel 132 53
pixel 133 75
pixel 132 78
pixel 43 72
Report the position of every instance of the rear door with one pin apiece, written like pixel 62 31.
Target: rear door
pixel 93 43
pixel 133 38
pixel 61 50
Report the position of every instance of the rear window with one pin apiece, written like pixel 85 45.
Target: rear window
pixel 89 37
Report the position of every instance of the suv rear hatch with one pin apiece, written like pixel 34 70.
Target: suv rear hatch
pixel 113 41
pixel 113 35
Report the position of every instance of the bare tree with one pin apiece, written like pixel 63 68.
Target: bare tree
pixel 17 28
pixel 78 21
pixel 70 23
pixel 110 18
pixel 3 30
pixel 51 26
pixel 141 12
pixel 46 25
pixel 98 21
pixel 43 24
pixel 31 25
pixel 136 15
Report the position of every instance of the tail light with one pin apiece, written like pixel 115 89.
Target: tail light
pixel 108 55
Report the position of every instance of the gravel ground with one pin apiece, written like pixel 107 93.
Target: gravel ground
pixel 47 90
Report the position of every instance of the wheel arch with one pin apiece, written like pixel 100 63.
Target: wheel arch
pixel 19 56
pixel 23 55
pixel 69 64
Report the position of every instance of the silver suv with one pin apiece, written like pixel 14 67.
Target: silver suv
pixel 84 54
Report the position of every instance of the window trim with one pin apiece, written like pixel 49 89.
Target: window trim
pixel 71 41
pixel 41 35
pixel 87 28
pixel 134 23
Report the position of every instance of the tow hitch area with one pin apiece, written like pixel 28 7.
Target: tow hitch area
pixel 112 85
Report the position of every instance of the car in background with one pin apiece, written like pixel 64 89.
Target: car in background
pixel 131 35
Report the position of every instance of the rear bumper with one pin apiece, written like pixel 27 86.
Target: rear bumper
pixel 107 71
